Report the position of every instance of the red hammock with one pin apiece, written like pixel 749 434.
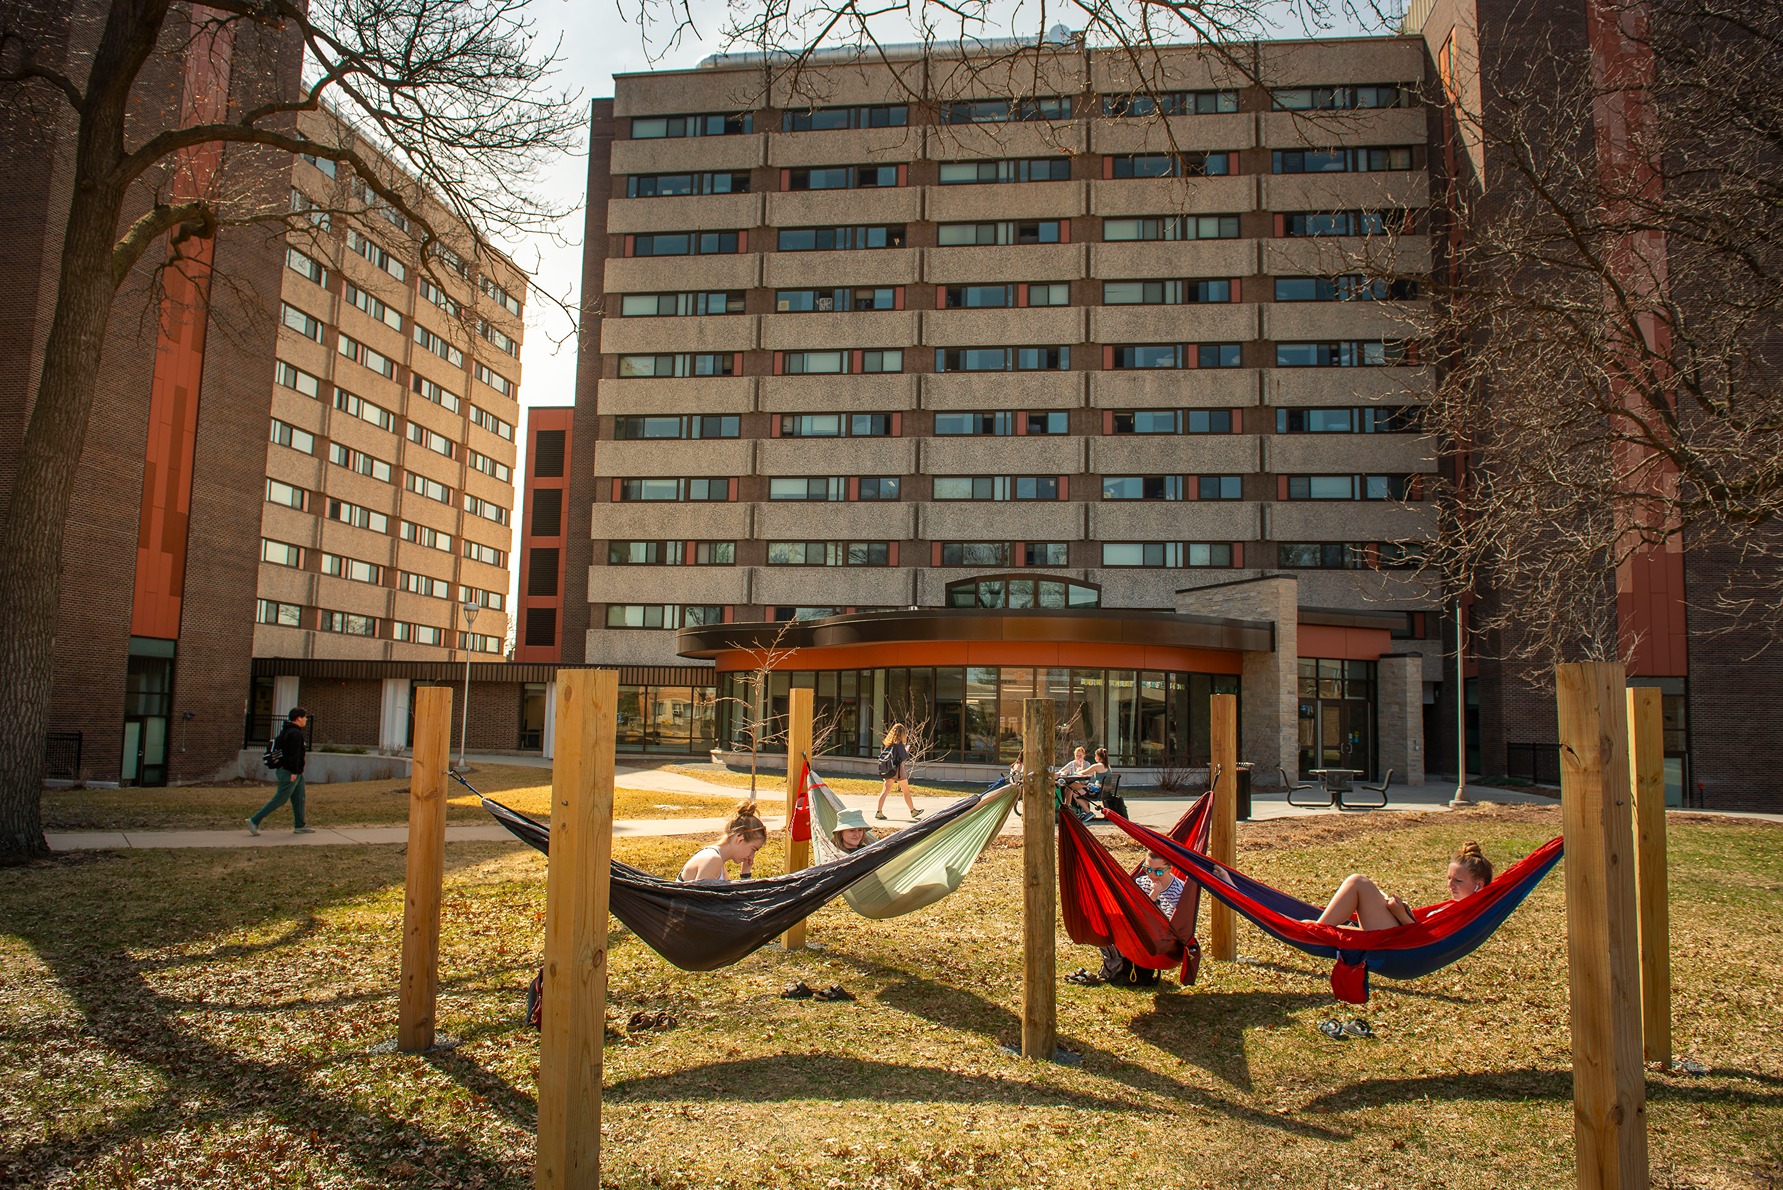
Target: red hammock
pixel 1104 907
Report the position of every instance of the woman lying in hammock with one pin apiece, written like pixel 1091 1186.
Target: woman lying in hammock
pixel 1361 898
pixel 852 832
pixel 744 835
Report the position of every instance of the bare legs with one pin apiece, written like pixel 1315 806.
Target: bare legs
pixel 885 789
pixel 1373 909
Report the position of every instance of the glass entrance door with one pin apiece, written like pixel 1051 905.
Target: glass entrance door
pixel 1337 716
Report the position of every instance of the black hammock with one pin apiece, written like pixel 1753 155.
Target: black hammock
pixel 707 924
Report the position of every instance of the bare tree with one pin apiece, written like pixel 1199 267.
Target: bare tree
pixel 1610 325
pixel 762 728
pixel 453 91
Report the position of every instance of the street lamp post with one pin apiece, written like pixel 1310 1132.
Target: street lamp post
pixel 470 610
pixel 1460 799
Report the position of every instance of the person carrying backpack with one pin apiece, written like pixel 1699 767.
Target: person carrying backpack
pixel 286 756
pixel 893 763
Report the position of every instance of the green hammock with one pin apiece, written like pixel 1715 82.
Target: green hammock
pixel 923 873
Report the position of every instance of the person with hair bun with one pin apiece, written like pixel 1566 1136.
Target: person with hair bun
pixel 744 835
pixel 1361 898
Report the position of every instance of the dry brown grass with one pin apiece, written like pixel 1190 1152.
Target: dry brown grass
pixel 207 1020
pixel 384 802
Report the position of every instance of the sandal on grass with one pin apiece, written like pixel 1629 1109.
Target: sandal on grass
pixel 1083 978
pixel 1333 1030
pixel 834 992
pixel 1358 1028
pixel 797 990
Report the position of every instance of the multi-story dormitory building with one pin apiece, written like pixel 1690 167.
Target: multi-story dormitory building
pixel 1049 379
pixel 299 457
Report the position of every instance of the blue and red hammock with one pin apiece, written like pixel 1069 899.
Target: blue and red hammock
pixel 1095 893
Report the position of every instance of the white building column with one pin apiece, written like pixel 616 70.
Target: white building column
pixel 393 716
pixel 550 732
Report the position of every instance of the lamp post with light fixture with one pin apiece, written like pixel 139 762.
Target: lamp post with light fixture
pixel 470 610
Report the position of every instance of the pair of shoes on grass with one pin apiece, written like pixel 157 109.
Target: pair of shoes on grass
pixel 1338 1030
pixel 800 990
pixel 1083 978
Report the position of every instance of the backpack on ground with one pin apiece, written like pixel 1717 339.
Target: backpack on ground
pixel 1121 971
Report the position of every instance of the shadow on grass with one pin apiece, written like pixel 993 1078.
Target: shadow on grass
pixel 1206 1029
pixel 1526 1083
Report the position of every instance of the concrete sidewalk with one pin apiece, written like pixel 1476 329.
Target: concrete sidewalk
pixel 1154 811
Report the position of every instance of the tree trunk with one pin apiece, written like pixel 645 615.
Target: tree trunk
pixel 37 511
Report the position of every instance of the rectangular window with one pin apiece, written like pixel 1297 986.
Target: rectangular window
pixel 1002 359
pixel 1345 223
pixel 686 243
pixel 443 397
pixel 433 489
pixel 1383 419
pixel 418 634
pixel 352 568
pixel 680 305
pixel 657 367
pixel 1321 487
pixel 486 509
pixel 1360 353
pixel 1171 103
pixel 349 623
pixel 364 464
pixel 306 266
pixel 829 553
pixel 662 615
pixel 307 325
pixel 1348 288
pixel 495 425
pixel 433 539
pixel 1142 487
pixel 996 487
pixel 500 296
pixel 296 439
pixel 978 297
pixel 1341 161
pixel 1146 553
pixel 1041 231
pixel 683 490
pixel 835 425
pixel 842 177
pixel 373 252
pixel 1164 293
pixel 829 119
pixel 487 554
pixel 1052 293
pixel 1000 111
pixel 296 379
pixel 1021 169
pixel 695 425
pixel 374 306
pixel 490 599
pixel 284 615
pixel 438 297
pixel 1171 227
pixel 827 301
pixel 439 346
pixel 1321 556
pixel 1219 487
pixel 366 357
pixel 495 380
pixel 674 185
pixel 286 494
pixel 825 239
pixel 422 584
pixel 814 363
pixel 1172 165
pixel 439 444
pixel 800 487
pixel 1342 98
pixel 715 124
pixel 974 553
pixel 357 516
pixel 281 553
pixel 1045 553
pixel 879 487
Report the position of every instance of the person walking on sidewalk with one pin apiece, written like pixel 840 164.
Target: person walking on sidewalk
pixel 290 747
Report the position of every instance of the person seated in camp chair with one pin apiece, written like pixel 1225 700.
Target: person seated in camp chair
pixel 1159 881
pixel 1360 898
pixel 744 835
pixel 852 832
pixel 1079 782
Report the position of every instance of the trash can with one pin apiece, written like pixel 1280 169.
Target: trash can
pixel 1244 791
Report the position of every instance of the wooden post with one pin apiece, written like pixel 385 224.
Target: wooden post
pixel 1223 838
pixel 798 747
pixel 576 889
pixel 426 870
pixel 1040 884
pixel 1646 755
pixel 1603 948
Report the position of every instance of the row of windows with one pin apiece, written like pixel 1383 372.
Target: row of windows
pixel 282 553
pixel 348 513
pixel 1351 353
pixel 312 328
pixel 376 468
pixel 1352 287
pixel 1054 107
pixel 1035 231
pixel 1385 419
pixel 291 615
pixel 1026 487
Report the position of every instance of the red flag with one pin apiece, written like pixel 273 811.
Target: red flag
pixel 801 811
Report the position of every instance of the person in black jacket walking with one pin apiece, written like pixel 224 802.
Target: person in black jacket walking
pixel 290 747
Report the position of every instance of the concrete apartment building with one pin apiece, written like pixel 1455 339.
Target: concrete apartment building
pixel 1025 373
pixel 390 489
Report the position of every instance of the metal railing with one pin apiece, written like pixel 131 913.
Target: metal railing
pixel 61 755
pixel 1538 763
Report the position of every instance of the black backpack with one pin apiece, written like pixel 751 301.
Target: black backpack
pixel 887 766
pixel 274 756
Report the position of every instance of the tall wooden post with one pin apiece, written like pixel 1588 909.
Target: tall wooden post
pixel 1223 838
pixel 1040 884
pixel 426 870
pixel 798 747
pixel 1603 947
pixel 576 889
pixel 1646 755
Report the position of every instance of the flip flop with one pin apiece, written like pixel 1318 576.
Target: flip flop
pixel 834 992
pixel 1083 978
pixel 1333 1030
pixel 797 990
pixel 1358 1028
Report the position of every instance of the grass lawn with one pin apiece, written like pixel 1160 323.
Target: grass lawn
pixel 208 1019
pixel 384 802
